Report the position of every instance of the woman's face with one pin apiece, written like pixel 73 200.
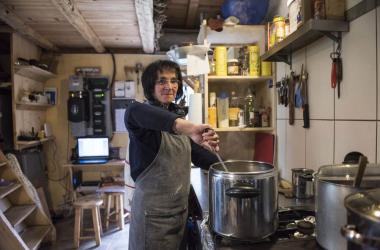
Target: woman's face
pixel 165 89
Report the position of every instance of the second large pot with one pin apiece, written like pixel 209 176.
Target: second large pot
pixel 243 200
pixel 333 184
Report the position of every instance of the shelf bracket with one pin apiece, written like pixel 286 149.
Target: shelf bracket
pixel 336 38
pixel 286 58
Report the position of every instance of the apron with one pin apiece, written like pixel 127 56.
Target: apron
pixel 159 207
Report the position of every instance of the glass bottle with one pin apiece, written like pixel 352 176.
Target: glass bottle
pixel 233 112
pixel 249 108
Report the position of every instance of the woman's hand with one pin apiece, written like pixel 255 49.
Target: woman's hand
pixel 202 134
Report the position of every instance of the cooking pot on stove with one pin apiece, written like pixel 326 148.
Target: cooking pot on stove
pixel 363 218
pixel 332 184
pixel 243 199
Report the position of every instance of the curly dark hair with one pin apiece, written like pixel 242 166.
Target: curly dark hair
pixel 150 76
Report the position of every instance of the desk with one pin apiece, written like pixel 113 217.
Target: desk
pixel 117 165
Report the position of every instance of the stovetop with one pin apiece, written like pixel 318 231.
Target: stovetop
pixel 296 230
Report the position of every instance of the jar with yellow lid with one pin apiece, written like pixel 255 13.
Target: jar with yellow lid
pixel 279 27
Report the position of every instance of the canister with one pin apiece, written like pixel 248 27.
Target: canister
pixel 212 117
pixel 254 60
pixel 220 60
pixel 302 182
pixel 279 23
pixel 266 68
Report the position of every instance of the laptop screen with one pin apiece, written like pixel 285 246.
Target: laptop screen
pixel 93 147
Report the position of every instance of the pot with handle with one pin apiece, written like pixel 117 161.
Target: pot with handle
pixel 243 199
pixel 362 230
pixel 332 184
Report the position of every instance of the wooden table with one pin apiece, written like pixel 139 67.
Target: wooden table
pixel 111 165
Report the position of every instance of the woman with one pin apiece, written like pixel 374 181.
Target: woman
pixel 162 146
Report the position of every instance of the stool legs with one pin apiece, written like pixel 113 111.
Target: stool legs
pixel 121 211
pixel 96 223
pixel 108 210
pixel 77 226
pixel 118 201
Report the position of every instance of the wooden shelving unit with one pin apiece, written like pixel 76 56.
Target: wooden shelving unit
pixel 237 129
pixel 309 32
pixel 29 144
pixel 17 214
pixel 33 72
pixel 33 236
pixel 32 106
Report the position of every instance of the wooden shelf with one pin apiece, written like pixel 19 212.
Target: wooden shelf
pixel 17 214
pixel 213 78
pixel 33 236
pixel 33 106
pixel 29 144
pixel 33 72
pixel 303 36
pixel 4 191
pixel 234 129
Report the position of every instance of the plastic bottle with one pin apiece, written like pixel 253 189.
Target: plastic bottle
pixel 233 112
pixel 249 109
pixel 222 110
pixel 212 117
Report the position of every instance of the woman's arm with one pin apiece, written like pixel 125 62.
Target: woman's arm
pixel 144 116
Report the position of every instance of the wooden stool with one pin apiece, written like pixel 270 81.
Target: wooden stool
pixel 115 193
pixel 92 203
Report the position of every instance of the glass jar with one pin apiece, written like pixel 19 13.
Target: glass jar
pixel 233 67
pixel 279 23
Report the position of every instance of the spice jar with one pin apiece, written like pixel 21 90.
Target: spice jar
pixel 233 67
pixel 279 23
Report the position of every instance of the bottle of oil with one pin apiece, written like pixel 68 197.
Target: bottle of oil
pixel 249 109
pixel 233 111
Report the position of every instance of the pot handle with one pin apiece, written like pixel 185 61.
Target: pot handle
pixel 350 233
pixel 243 191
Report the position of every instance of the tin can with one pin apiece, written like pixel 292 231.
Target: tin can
pixel 254 60
pixel 279 23
pixel 220 60
pixel 266 68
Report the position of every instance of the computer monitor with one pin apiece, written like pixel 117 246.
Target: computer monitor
pixel 92 149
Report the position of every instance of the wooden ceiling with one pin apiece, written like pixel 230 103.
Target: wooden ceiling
pixel 100 25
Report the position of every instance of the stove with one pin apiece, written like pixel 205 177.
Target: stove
pixel 296 230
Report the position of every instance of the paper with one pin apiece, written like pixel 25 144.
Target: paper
pixel 197 65
pixel 119 120
pixel 195 108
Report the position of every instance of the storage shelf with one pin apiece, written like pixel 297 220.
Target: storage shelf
pixel 33 72
pixel 232 129
pixel 33 236
pixel 33 106
pixel 4 191
pixel 240 78
pixel 29 144
pixel 303 36
pixel 17 214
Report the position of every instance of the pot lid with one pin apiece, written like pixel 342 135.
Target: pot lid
pixel 243 167
pixel 365 204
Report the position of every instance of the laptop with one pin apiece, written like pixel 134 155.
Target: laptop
pixel 92 150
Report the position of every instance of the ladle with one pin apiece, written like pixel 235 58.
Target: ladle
pixel 359 175
pixel 221 162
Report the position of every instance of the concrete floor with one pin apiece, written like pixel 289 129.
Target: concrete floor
pixel 113 238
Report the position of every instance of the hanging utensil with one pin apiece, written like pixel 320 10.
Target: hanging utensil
pixel 359 175
pixel 305 106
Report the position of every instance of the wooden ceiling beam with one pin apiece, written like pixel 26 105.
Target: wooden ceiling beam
pixel 10 18
pixel 73 16
pixel 144 13
pixel 192 10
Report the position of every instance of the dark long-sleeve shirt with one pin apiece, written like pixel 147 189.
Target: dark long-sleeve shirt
pixel 145 123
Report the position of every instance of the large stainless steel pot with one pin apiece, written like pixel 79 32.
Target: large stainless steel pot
pixel 333 184
pixel 243 200
pixel 363 217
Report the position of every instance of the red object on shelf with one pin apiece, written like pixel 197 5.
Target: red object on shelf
pixel 264 147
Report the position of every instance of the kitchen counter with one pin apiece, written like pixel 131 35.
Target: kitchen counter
pixel 199 182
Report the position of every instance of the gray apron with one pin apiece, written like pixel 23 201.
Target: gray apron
pixel 159 205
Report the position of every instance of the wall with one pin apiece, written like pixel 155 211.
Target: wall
pixel 337 126
pixel 57 116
